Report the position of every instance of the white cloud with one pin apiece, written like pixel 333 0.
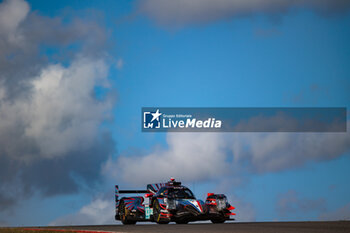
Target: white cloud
pixel 291 204
pixel 99 211
pixel 208 156
pixel 342 213
pixel 120 63
pixel 188 157
pixel 61 115
pixel 50 113
pixel 269 152
pixel 245 211
pixel 183 12
pixel 12 13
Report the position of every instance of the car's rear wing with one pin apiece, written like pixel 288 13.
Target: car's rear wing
pixel 151 188
pixel 118 191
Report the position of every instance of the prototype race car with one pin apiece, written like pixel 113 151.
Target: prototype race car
pixel 170 202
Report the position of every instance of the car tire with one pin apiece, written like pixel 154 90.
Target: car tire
pixel 156 213
pixel 123 215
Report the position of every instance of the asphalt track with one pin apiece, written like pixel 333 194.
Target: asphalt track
pixel 260 227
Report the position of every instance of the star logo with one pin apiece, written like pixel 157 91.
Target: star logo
pixel 156 115
pixel 151 119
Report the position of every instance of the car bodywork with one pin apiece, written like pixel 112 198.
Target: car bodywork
pixel 170 202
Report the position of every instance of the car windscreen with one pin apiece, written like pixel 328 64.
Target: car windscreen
pixel 183 193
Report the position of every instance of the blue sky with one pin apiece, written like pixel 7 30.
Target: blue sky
pixel 292 57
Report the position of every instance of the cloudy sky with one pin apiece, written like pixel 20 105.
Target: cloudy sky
pixel 75 74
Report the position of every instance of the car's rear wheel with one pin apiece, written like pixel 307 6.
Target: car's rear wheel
pixel 124 215
pixel 156 213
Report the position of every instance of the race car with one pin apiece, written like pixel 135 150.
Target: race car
pixel 170 202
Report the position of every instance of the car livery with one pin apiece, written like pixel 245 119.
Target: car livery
pixel 170 202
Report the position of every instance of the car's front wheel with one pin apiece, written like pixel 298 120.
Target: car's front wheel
pixel 156 213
